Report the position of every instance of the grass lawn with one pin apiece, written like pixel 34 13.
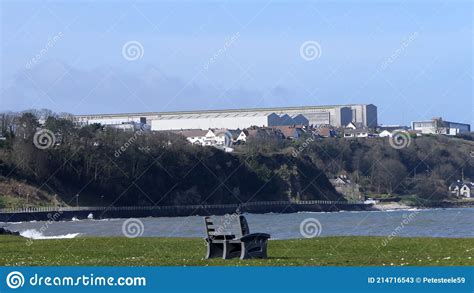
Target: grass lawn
pixel 323 251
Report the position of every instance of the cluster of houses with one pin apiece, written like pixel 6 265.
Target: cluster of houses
pixel 434 126
pixel 294 127
pixel 232 127
pixel 356 130
pixel 462 189
pixel 225 138
pixel 351 190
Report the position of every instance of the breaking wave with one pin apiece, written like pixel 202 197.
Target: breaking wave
pixel 35 234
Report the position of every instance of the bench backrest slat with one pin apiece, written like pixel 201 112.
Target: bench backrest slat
pixel 244 226
pixel 209 226
pixel 214 233
pixel 212 229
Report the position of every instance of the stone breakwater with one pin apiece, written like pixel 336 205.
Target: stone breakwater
pixel 69 213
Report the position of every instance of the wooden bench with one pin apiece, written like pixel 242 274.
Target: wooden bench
pixel 226 245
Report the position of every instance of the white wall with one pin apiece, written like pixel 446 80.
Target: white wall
pixel 206 123
pixel 109 121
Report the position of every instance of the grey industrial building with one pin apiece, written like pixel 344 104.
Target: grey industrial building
pixel 336 115
pixel 439 126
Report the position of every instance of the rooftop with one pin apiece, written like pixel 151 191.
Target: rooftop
pixel 269 109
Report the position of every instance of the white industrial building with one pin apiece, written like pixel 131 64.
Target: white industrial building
pixel 440 126
pixel 337 116
pixel 217 120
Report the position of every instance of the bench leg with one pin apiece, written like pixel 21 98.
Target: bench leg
pixel 231 250
pixel 254 249
pixel 214 250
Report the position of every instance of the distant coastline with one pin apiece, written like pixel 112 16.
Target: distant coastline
pixel 69 213
pixel 387 206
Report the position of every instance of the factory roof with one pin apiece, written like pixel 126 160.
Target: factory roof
pixel 221 111
pixel 213 115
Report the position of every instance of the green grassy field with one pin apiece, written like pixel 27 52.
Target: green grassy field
pixel 327 251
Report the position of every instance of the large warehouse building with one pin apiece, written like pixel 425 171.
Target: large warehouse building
pixel 338 115
pixel 225 120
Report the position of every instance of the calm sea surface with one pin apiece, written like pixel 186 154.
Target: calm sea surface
pixel 423 223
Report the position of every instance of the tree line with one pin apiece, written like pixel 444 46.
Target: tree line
pixel 106 166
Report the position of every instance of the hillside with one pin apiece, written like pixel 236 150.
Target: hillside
pixel 422 170
pixel 106 166
pixel 20 194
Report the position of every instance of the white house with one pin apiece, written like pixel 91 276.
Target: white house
pixel 389 133
pixel 218 137
pixel 194 136
pixel 467 190
pixel 464 189
pixel 355 133
pixel 385 133
pixel 242 136
pixel 263 133
pixel 221 138
pixel 355 125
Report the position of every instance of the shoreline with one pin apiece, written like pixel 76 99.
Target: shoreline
pixel 69 213
pixel 71 216
pixel 395 206
pixel 385 206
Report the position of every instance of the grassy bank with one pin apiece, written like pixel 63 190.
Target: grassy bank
pixel 327 251
pixel 19 194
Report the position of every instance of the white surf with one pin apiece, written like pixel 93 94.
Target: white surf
pixel 35 234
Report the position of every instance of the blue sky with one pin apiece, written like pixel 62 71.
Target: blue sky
pixel 413 59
